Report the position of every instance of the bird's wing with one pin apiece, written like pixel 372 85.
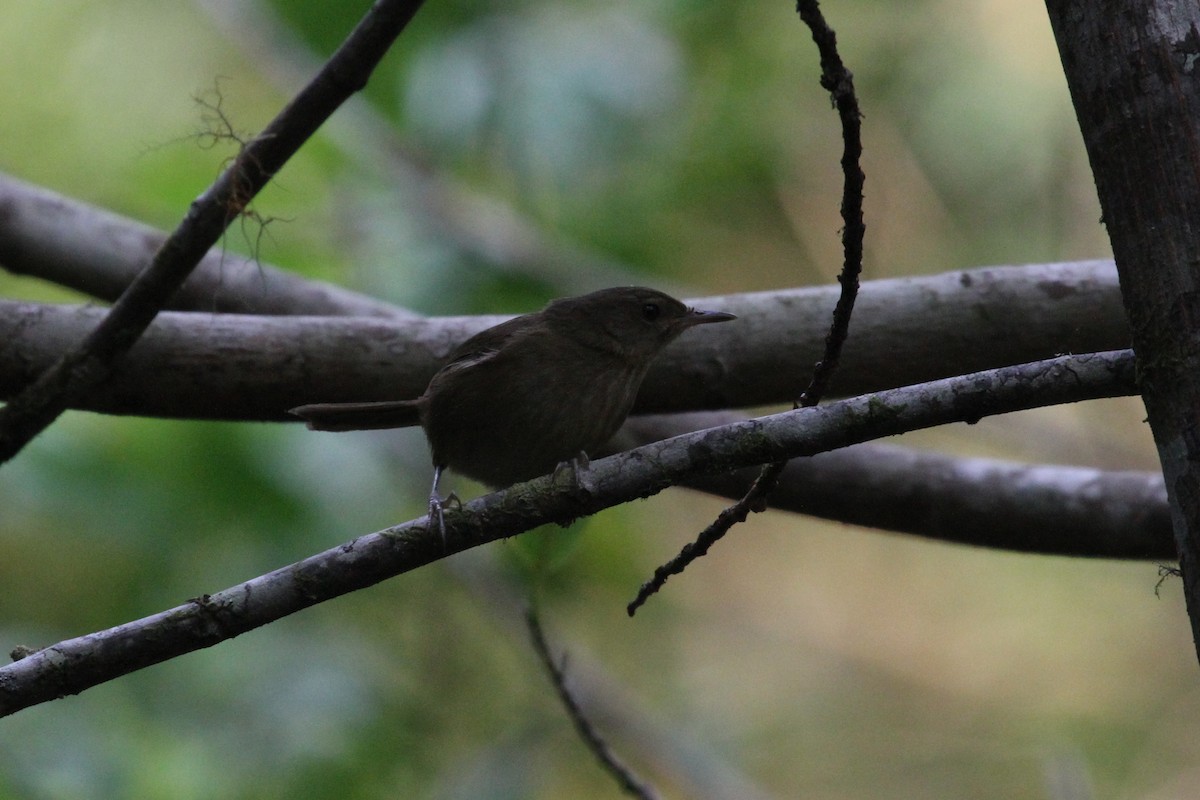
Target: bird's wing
pixel 484 345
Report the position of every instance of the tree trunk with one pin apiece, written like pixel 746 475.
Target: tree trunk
pixel 1131 68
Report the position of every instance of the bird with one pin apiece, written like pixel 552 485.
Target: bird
pixel 519 399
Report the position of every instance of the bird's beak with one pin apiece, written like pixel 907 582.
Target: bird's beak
pixel 695 317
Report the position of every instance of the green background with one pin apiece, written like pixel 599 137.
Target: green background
pixel 685 145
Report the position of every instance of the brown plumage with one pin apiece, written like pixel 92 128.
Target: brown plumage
pixel 517 399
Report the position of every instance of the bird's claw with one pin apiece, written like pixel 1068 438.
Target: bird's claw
pixel 577 469
pixel 437 512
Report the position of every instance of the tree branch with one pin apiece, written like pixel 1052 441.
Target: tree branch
pixel 1049 509
pixel 87 365
pixel 71 666
pixel 1120 516
pixel 685 760
pixel 99 253
pixel 908 331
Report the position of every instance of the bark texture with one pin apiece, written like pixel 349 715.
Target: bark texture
pixel 1131 68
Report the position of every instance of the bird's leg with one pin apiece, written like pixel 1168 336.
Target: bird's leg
pixel 437 505
pixel 577 472
pixel 578 468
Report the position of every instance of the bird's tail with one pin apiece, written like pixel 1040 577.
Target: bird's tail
pixel 359 416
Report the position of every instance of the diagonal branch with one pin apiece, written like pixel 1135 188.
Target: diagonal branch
pixel 72 666
pixel 88 364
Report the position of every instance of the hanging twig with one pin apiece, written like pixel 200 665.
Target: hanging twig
pixel 836 79
pixel 630 783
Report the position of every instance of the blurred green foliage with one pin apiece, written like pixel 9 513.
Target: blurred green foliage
pixel 686 144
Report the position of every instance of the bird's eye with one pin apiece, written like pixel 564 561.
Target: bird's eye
pixel 651 312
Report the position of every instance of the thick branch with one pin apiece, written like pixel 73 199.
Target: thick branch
pixel 909 330
pixel 71 666
pixel 1048 509
pixel 94 251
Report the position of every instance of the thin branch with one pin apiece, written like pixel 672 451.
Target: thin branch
pixel 684 757
pixel 88 364
pixel 838 81
pixel 74 665
pixel 94 251
pixel 630 783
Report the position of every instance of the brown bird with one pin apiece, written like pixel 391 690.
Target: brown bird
pixel 520 398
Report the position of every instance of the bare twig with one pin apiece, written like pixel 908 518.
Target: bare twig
pixel 72 666
pixel 89 363
pixel 838 81
pixel 630 783
pixel 682 756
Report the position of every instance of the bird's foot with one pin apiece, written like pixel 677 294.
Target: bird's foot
pixel 578 471
pixel 437 512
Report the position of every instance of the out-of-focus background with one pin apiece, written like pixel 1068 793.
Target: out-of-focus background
pixel 508 153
